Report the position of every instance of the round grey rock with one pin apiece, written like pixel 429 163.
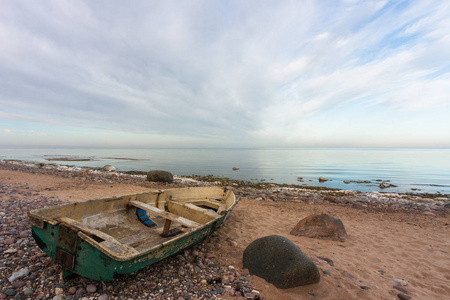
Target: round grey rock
pixel 160 176
pixel 28 291
pixel 280 262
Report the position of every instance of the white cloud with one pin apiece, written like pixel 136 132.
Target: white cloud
pixel 222 70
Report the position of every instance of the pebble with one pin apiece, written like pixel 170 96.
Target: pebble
pixel 27 291
pixel 401 289
pixel 19 274
pixel 59 291
pixel 399 281
pixel 403 296
pixel 18 284
pixel 91 288
pixel 80 291
pixel 10 291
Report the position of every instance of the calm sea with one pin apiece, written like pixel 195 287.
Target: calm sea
pixel 412 170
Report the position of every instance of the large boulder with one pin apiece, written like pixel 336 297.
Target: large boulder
pixel 280 262
pixel 320 226
pixel 160 176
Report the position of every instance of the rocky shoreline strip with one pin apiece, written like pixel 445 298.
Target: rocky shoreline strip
pixel 432 203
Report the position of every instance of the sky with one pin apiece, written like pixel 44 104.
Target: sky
pixel 323 73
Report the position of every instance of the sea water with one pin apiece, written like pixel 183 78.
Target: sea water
pixel 411 170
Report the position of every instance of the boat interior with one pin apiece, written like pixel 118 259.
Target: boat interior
pixel 133 224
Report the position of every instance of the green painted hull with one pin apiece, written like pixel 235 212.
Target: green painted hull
pixel 92 263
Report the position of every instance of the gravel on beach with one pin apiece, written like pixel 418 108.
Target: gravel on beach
pixel 28 273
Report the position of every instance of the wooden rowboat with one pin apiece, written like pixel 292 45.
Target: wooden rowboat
pixel 105 238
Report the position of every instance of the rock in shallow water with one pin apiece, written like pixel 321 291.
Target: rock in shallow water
pixel 280 262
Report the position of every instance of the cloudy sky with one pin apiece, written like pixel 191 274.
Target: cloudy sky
pixel 322 73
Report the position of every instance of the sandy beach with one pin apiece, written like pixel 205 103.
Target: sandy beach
pixel 403 243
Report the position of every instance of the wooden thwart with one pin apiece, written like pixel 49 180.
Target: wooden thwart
pixel 165 214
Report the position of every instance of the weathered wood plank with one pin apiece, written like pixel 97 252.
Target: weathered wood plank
pixel 205 211
pixel 165 214
pixel 88 230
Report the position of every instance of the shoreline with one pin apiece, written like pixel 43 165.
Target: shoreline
pixel 262 190
pixel 406 237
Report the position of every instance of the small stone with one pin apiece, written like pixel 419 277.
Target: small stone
pixel 80 291
pixel 402 289
pixel 10 250
pixel 59 291
pixel 403 296
pixel 18 284
pixel 399 281
pixel 322 179
pixel 229 291
pixel 10 291
pixel 233 243
pixel 327 272
pixel 8 241
pixel 349 275
pixel 27 291
pixel 103 297
pixel 364 287
pixel 19 274
pixel 91 288
pixel 72 290
pixel 57 297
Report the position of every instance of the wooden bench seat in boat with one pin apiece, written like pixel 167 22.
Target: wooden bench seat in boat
pixel 153 210
pixel 165 214
pixel 201 215
pixel 216 205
